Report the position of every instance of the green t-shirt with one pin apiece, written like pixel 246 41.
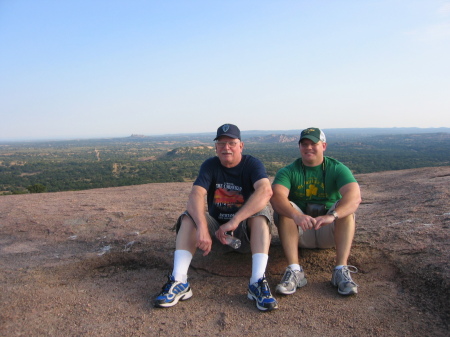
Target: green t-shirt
pixel 319 184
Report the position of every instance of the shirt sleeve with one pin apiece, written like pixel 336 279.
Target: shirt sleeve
pixel 283 178
pixel 257 170
pixel 205 175
pixel 344 176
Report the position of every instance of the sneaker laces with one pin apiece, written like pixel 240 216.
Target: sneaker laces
pixel 264 288
pixel 346 271
pixel 287 275
pixel 166 287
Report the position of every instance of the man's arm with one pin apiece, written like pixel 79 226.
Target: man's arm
pixel 351 198
pixel 257 201
pixel 280 201
pixel 349 203
pixel 281 204
pixel 197 209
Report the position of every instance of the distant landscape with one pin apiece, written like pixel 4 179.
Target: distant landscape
pixel 69 165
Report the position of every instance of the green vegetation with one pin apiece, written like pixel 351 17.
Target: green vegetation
pixel 78 165
pixel 37 188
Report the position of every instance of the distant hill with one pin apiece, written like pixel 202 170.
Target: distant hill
pixel 247 135
pixel 282 136
pixel 274 138
pixel 351 132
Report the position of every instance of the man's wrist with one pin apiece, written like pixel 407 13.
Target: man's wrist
pixel 336 216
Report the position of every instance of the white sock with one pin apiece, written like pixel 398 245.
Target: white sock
pixel 181 262
pixel 339 267
pixel 295 267
pixel 259 264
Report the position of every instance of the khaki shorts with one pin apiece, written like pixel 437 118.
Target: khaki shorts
pixel 322 238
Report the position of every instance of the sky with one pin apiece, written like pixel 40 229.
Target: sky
pixel 111 68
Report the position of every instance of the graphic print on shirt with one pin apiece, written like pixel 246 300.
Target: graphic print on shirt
pixel 312 188
pixel 228 199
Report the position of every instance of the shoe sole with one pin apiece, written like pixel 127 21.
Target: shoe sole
pixel 348 293
pixel 279 288
pixel 252 297
pixel 340 292
pixel 187 295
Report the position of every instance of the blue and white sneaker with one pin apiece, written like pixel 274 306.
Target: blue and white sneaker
pixel 260 293
pixel 172 292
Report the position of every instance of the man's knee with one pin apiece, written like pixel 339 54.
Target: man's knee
pixel 259 220
pixel 186 221
pixel 281 221
pixel 259 223
pixel 346 222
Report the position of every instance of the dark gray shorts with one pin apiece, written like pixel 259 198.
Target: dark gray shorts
pixel 242 232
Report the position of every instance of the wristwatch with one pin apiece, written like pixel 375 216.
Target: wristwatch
pixel 336 216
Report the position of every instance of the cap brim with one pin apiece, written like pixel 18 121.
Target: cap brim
pixel 227 135
pixel 314 139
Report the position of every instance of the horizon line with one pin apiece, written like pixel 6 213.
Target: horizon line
pixel 78 138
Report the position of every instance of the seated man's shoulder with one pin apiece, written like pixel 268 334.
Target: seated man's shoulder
pixel 211 161
pixel 332 162
pixel 295 165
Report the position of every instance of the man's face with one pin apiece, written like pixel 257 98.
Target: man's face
pixel 312 153
pixel 229 151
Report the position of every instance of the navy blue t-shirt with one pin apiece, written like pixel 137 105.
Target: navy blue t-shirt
pixel 229 188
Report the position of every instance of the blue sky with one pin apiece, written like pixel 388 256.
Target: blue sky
pixel 87 68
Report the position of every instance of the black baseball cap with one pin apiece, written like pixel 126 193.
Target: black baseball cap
pixel 229 130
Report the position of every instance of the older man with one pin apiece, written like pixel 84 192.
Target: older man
pixel 237 190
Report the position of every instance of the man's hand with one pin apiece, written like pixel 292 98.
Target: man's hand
pixel 204 241
pixel 307 222
pixel 323 220
pixel 304 221
pixel 221 232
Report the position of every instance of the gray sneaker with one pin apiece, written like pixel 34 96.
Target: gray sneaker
pixel 292 279
pixel 341 278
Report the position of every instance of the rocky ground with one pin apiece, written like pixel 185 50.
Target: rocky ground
pixel 89 263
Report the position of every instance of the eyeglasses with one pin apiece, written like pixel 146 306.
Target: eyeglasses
pixel 231 144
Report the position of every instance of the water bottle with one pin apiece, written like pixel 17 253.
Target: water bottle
pixel 232 241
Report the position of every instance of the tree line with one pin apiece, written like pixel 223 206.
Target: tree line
pixel 54 167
